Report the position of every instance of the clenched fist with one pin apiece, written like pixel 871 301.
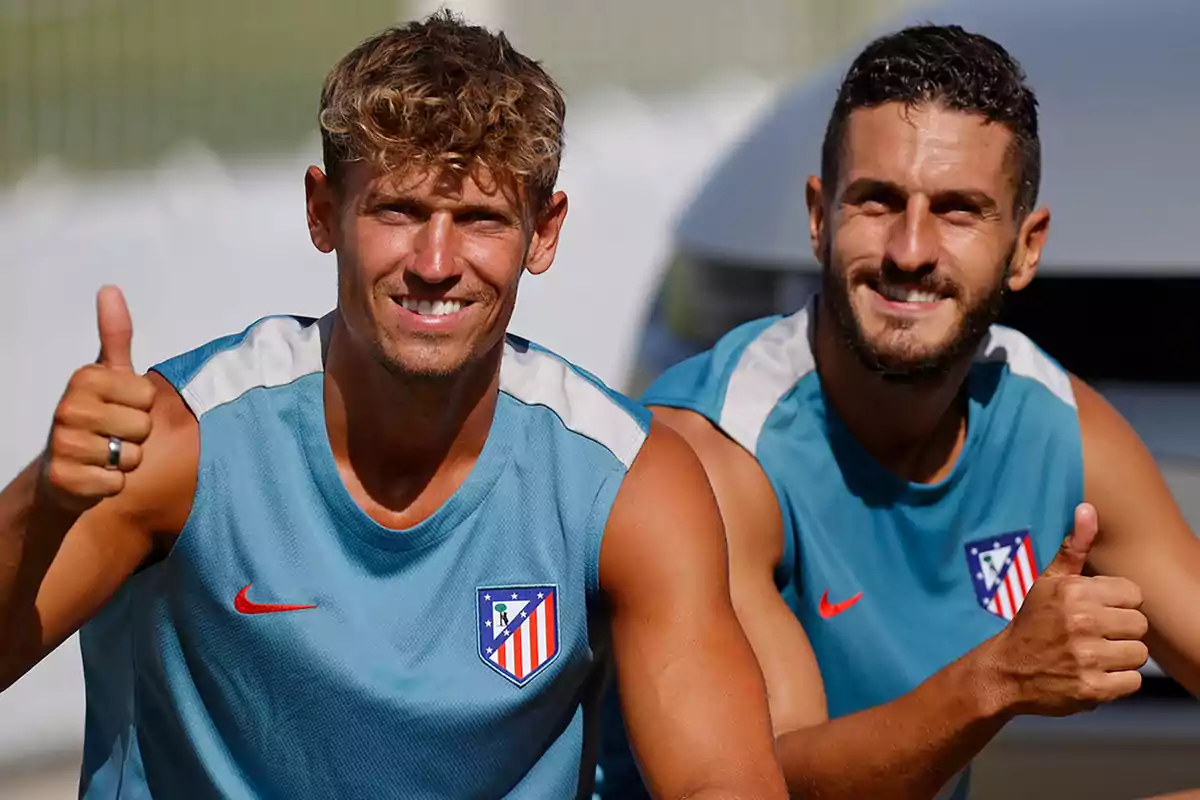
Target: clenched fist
pixel 102 419
pixel 1076 642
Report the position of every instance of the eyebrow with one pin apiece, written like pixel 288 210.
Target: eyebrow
pixel 381 198
pixel 865 188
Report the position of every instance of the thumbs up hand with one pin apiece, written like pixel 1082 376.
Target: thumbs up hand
pixel 1076 642
pixel 102 419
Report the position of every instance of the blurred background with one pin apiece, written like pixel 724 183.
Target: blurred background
pixel 160 145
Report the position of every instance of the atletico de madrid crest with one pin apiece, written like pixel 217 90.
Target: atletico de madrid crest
pixel 1003 569
pixel 518 629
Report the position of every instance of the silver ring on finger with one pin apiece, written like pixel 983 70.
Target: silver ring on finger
pixel 114 453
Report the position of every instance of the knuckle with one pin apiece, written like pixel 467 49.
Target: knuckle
pixel 76 412
pixel 1079 623
pixel 1141 653
pixel 1074 589
pixel 1083 656
pixel 80 379
pixel 67 413
pixel 86 379
pixel 1093 689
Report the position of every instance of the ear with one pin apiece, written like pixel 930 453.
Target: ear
pixel 818 218
pixel 546 229
pixel 1028 253
pixel 322 206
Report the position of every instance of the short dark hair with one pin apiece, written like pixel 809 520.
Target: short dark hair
pixel 947 65
pixel 442 92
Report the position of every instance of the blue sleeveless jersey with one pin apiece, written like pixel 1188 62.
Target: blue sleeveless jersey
pixel 289 646
pixel 891 580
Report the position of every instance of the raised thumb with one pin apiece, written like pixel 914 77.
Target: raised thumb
pixel 116 329
pixel 1072 556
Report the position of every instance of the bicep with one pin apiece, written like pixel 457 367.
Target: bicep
pixel 754 534
pixel 692 695
pixel 789 666
pixel 1144 536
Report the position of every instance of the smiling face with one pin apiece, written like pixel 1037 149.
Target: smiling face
pixel 920 238
pixel 429 260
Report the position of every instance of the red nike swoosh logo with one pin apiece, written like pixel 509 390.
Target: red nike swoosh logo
pixel 246 606
pixel 829 610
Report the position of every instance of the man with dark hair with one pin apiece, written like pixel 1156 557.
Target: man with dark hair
pixel 897 473
pixel 388 552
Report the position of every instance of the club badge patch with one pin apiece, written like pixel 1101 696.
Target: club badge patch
pixel 1003 569
pixel 518 629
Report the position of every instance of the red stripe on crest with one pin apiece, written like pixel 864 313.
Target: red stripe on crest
pixel 548 608
pixel 518 661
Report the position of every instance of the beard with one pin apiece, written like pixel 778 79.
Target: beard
pixel 911 365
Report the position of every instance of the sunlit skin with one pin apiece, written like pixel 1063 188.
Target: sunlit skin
pixel 420 236
pixel 409 401
pixel 926 201
pixel 429 235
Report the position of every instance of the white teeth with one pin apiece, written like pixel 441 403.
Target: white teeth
pixel 902 295
pixel 431 308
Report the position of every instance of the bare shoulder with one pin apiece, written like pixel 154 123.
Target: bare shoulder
pixel 1122 480
pixel 694 427
pixel 747 500
pixel 1100 424
pixel 1112 450
pixel 665 458
pixel 665 521
pixel 726 462
pixel 666 478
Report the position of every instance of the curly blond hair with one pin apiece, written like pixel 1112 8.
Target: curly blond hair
pixel 442 93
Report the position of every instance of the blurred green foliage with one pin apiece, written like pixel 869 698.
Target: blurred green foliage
pixel 104 84
pixel 109 84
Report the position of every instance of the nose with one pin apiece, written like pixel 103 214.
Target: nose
pixel 912 244
pixel 435 250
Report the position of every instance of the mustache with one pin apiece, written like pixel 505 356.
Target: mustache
pixel 458 292
pixel 925 280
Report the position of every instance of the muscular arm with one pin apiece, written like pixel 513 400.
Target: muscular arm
pixel 908 748
pixel 57 569
pixel 690 690
pixel 1143 535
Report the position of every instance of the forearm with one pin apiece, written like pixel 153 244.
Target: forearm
pixel 31 532
pixel 909 748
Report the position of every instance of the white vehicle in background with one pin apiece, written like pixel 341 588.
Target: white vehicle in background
pixel 1117 300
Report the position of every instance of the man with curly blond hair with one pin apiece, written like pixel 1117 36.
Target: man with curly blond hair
pixel 388 552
